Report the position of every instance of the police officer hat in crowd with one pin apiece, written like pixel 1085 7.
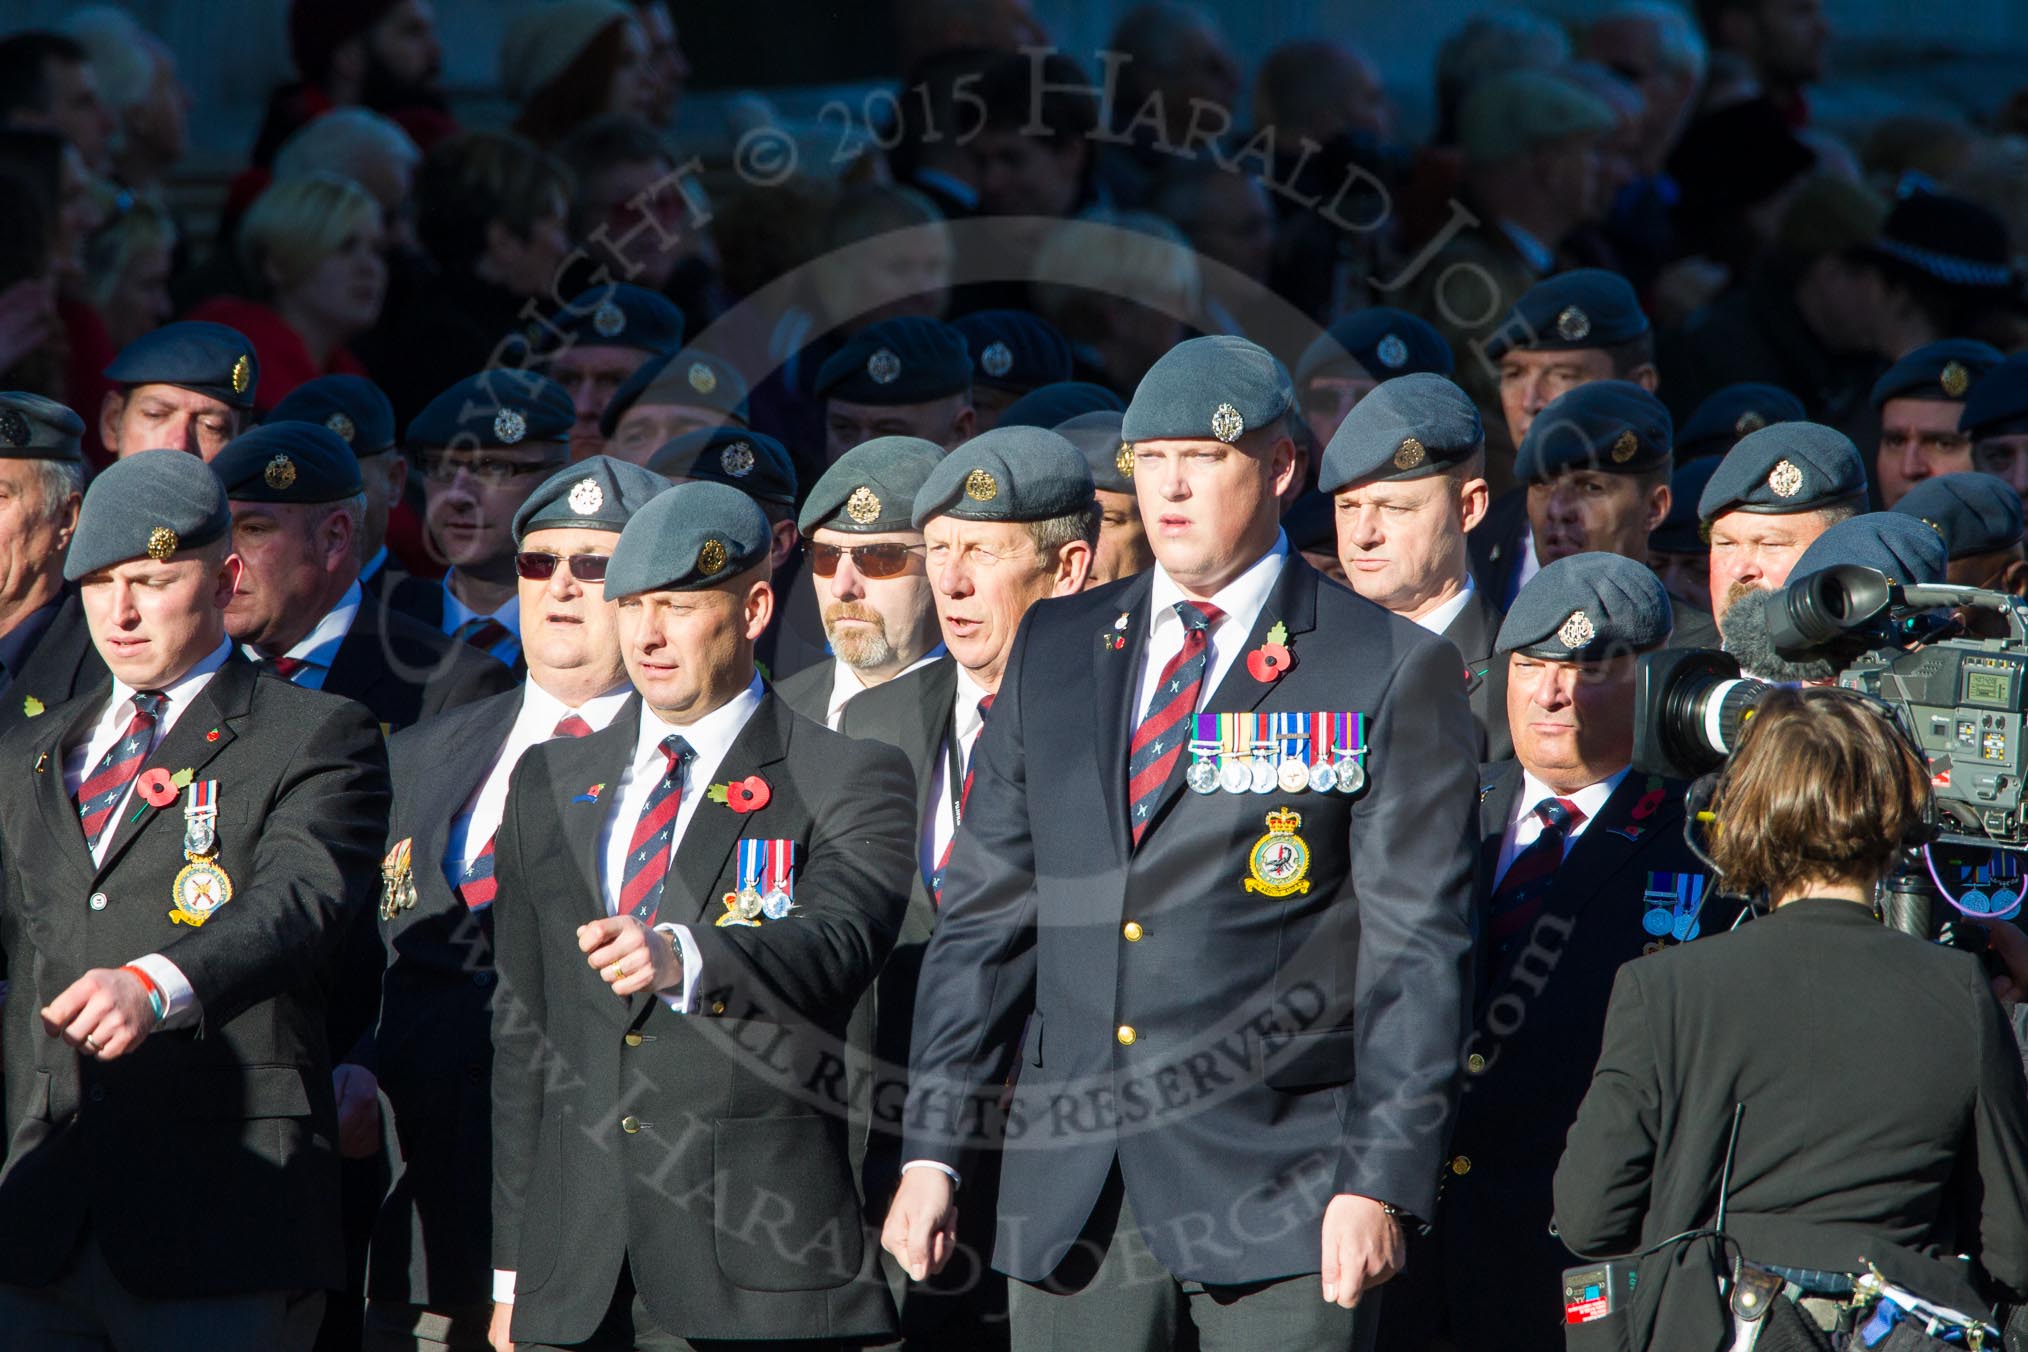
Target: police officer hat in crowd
pixel 150 505
pixel 1784 469
pixel 352 407
pixel 907 360
pixel 754 463
pixel 1007 474
pixel 1014 350
pixel 1204 389
pixel 1610 425
pixel 298 462
pixel 208 359
pixel 1732 412
pixel 597 493
pixel 1379 342
pixel 1588 607
pixel 1900 546
pixel 1409 427
pixel 1974 513
pixel 35 428
pixel 687 538
pixel 872 487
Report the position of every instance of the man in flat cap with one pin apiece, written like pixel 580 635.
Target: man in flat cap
pixel 1405 474
pixel 359 412
pixel 1356 353
pixel 1013 353
pixel 1775 492
pixel 687 391
pixel 1920 400
pixel 187 386
pixel 903 377
pixel 1979 518
pixel 865 559
pixel 710 855
pixel 46 652
pixel 1135 924
pixel 1123 537
pixel 297 504
pixel 483 446
pixel 596 342
pixel 1995 419
pixel 431 1284
pixel 1582 867
pixel 218 828
pixel 1729 413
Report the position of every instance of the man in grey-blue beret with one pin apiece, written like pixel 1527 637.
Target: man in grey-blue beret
pixel 1909 551
pixel 359 412
pixel 1123 536
pixel 46 654
pixel 909 376
pixel 1775 492
pixel 1921 400
pixel 187 386
pixel 1979 518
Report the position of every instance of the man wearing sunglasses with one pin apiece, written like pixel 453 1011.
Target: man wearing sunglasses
pixel 483 445
pixel 433 1050
pixel 866 562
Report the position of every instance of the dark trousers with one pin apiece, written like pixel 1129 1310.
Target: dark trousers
pixel 1110 1292
pixel 628 1327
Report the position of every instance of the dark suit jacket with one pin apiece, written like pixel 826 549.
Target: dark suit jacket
pixel 62 665
pixel 406 671
pixel 433 1049
pixel 808 691
pixel 737 1108
pixel 1496 544
pixel 227 1128
pixel 1473 632
pixel 1885 1116
pixel 1319 1031
pixel 1490 1261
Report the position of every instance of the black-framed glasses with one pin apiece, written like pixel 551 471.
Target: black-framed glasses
pixel 875 561
pixel 537 567
pixel 492 470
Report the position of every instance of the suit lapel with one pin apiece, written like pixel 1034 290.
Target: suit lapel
pixel 1608 844
pixel 927 730
pixel 1118 672
pixel 201 732
pixel 587 786
pixel 46 753
pixel 1498 786
pixel 469 763
pixel 354 674
pixel 714 827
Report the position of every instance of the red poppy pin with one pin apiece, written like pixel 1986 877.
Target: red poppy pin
pixel 744 795
pixel 157 789
pixel 1267 662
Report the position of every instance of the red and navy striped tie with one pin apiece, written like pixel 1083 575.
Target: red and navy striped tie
pixel 104 788
pixel 478 887
pixel 1518 899
pixel 964 795
pixel 1158 741
pixel 648 850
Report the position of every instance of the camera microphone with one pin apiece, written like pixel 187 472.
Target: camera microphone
pixel 1749 636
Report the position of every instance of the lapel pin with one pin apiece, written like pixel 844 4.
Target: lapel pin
pixel 1267 662
pixel 157 788
pixel 590 795
pixel 746 795
pixel 32 707
pixel 211 736
pixel 42 762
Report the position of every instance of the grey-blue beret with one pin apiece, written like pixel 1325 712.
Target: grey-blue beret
pixel 209 359
pixel 871 488
pixel 1609 425
pixel 1588 607
pixel 597 493
pixel 1053 405
pixel 352 406
pixel 753 462
pixel 1783 469
pixel 1729 413
pixel 1998 404
pixel 501 407
pixel 1681 532
pixel 1900 546
pixel 689 537
pixel 616 314
pixel 35 428
pixel 1007 474
pixel 1106 453
pixel 1944 371
pixel 1381 342
pixel 1409 427
pixel 295 462
pixel 1014 350
pixel 907 360
pixel 690 378
pixel 149 505
pixel 1214 388
pixel 1582 308
pixel 1974 513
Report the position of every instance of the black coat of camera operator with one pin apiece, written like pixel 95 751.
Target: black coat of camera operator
pixel 1884 1118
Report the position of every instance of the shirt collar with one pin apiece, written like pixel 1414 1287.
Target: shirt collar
pixel 710 737
pixel 543 711
pixel 1241 599
pixel 1589 799
pixel 845 682
pixel 180 691
pixel 965 716
pixel 320 645
pixel 1440 619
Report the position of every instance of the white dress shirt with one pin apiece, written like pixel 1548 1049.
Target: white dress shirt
pixel 939 822
pixel 845 683
pixel 457 614
pixel 78 760
pixel 540 712
pixel 1524 826
pixel 1440 619
pixel 1241 599
pixel 317 648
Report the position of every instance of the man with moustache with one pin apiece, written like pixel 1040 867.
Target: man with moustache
pixel 187 386
pixel 1406 476
pixel 187 845
pixel 865 558
pixel 46 652
pixel 1130 924
pixel 483 446
pixel 359 412
pixel 431 1283
pixel 692 902
pixel 595 344
pixel 1775 492
pixel 1122 539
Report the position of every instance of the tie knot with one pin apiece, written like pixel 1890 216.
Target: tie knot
pixel 679 752
pixel 1198 617
pixel 1559 814
pixel 985 706
pixel 149 702
pixel 570 725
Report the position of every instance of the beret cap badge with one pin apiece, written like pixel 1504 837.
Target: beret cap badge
pixel 1625 445
pixel 1409 454
pixel 884 367
pixel 1577 631
pixel 1392 351
pixel 608 321
pixel 1785 479
pixel 1748 421
pixel 242 374
pixel 1955 379
pixel 1226 424
pixel 1573 325
pixel 710 557
pixel 13 428
pixel 1123 460
pixel 586 497
pixel 162 543
pixel 280 472
pixel 863 505
pixel 702 378
pixel 342 426
pixel 737 459
pixel 981 486
pixel 509 426
pixel 997 360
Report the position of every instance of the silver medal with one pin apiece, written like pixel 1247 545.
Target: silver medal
pixel 199 834
pixel 1234 777
pixel 1351 776
pixel 1323 778
pixel 1263 776
pixel 1202 776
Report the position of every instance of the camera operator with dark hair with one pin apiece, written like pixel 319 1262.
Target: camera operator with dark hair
pixel 1838 1098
